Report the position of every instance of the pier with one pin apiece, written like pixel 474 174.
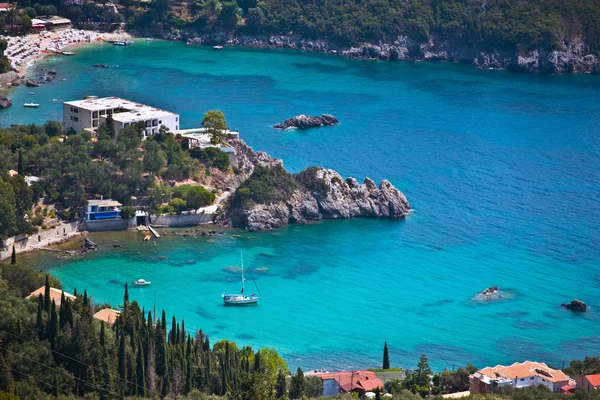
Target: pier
pixel 153 231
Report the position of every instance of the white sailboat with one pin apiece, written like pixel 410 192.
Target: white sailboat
pixel 240 298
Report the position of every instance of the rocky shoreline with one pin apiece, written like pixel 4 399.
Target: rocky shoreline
pixel 574 58
pixel 331 197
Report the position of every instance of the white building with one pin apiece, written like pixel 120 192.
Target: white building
pixel 102 210
pixel 90 113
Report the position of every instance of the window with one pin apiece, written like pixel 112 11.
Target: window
pixel 176 119
pixel 76 110
pixel 522 379
pixel 176 127
pixel 103 112
pixel 148 123
pixel 543 380
pixel 95 114
pixel 75 119
pixel 154 131
pixel 109 112
pixel 160 122
pixel 154 122
pixel 95 123
pixel 532 378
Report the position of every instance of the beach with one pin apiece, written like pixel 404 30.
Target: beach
pixel 24 51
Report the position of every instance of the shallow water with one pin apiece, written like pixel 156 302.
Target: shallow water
pixel 502 170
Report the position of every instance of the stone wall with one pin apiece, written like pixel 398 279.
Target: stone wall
pixel 109 225
pixel 54 235
pixel 8 77
pixel 181 220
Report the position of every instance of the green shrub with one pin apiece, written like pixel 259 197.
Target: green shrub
pixel 336 179
pixel 308 178
pixel 179 205
pixel 195 196
pixel 266 185
pixel 127 212
pixel 44 227
pixel 211 156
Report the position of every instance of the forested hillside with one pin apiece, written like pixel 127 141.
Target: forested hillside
pixel 488 24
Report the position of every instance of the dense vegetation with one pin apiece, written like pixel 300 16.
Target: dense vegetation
pixel 266 185
pixel 74 167
pixel 494 24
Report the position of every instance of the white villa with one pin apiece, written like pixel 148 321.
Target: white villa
pixel 90 113
pixel 103 210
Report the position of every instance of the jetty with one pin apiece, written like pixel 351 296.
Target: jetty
pixel 151 229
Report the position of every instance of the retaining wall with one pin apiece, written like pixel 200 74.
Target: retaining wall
pixel 109 225
pixel 182 220
pixel 54 235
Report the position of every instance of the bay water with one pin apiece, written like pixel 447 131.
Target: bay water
pixel 500 168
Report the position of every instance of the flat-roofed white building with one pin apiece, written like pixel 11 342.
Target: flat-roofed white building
pixel 90 113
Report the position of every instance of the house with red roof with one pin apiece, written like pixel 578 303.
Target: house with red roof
pixel 520 375
pixel 590 382
pixel 359 382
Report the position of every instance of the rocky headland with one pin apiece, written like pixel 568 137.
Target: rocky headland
pixel 269 197
pixel 574 57
pixel 305 121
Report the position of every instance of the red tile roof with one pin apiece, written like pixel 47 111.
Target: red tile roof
pixel 354 380
pixel 594 380
pixel 524 370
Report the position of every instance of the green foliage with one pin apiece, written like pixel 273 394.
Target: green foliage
pixel 266 185
pixel 195 196
pixel 179 205
pixel 309 179
pixel 211 156
pixel 215 125
pixel 298 385
pixel 8 211
pixel 127 212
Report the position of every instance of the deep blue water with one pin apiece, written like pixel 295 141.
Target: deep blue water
pixel 501 169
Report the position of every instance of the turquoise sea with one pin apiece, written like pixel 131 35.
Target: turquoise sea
pixel 502 170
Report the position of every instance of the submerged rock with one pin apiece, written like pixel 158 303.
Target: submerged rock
pixel 100 66
pixel 5 102
pixel 575 305
pixel 306 121
pixel 52 72
pixel 491 293
pixel 32 83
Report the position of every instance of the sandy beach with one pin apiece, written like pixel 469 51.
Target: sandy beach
pixel 24 51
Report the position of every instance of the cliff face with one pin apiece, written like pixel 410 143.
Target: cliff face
pixel 335 199
pixel 575 58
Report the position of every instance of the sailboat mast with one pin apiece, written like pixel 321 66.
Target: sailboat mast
pixel 242 265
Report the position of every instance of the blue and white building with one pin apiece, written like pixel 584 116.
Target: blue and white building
pixel 103 210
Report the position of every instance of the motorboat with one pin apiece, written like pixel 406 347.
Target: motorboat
pixel 218 47
pixel 141 282
pixel 31 105
pixel 68 53
pixel 240 299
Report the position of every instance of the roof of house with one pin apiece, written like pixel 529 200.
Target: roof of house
pixel 5 5
pixel 594 380
pixel 107 315
pixel 352 380
pixel 104 203
pixel 108 103
pixel 524 370
pixel 55 294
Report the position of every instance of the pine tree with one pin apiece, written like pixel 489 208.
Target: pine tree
pixel 53 328
pixel 20 169
pixel 13 257
pixel 298 385
pixel 386 356
pixel 140 374
pixel 102 333
pixel 281 389
pixel 47 294
pixel 121 362
pixel 422 374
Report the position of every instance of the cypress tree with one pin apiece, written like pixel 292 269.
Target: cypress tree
pixel 206 346
pixel 75 292
pixel 150 327
pixel 298 385
pixel 102 333
pixel 13 257
pixel 141 376
pixel 386 356
pixel 121 361
pixel 163 322
pixel 53 329
pixel 182 337
pixel 177 335
pixel 61 311
pixel 69 312
pixel 126 295
pixel 257 362
pixel 86 301
pixel 20 169
pixel 281 389
pixel 173 331
pixel 39 323
pixel 188 378
pixel 47 294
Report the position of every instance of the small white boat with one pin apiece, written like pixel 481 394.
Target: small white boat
pixel 31 105
pixel 141 282
pixel 150 39
pixel 31 92
pixel 240 299
pixel 217 47
pixel 68 53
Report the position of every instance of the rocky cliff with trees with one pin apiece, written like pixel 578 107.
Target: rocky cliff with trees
pixel 540 35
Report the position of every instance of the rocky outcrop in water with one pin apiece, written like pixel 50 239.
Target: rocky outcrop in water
pixel 31 83
pixel 575 56
pixel 100 66
pixel 305 121
pixel 575 305
pixel 335 198
pixel 5 102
